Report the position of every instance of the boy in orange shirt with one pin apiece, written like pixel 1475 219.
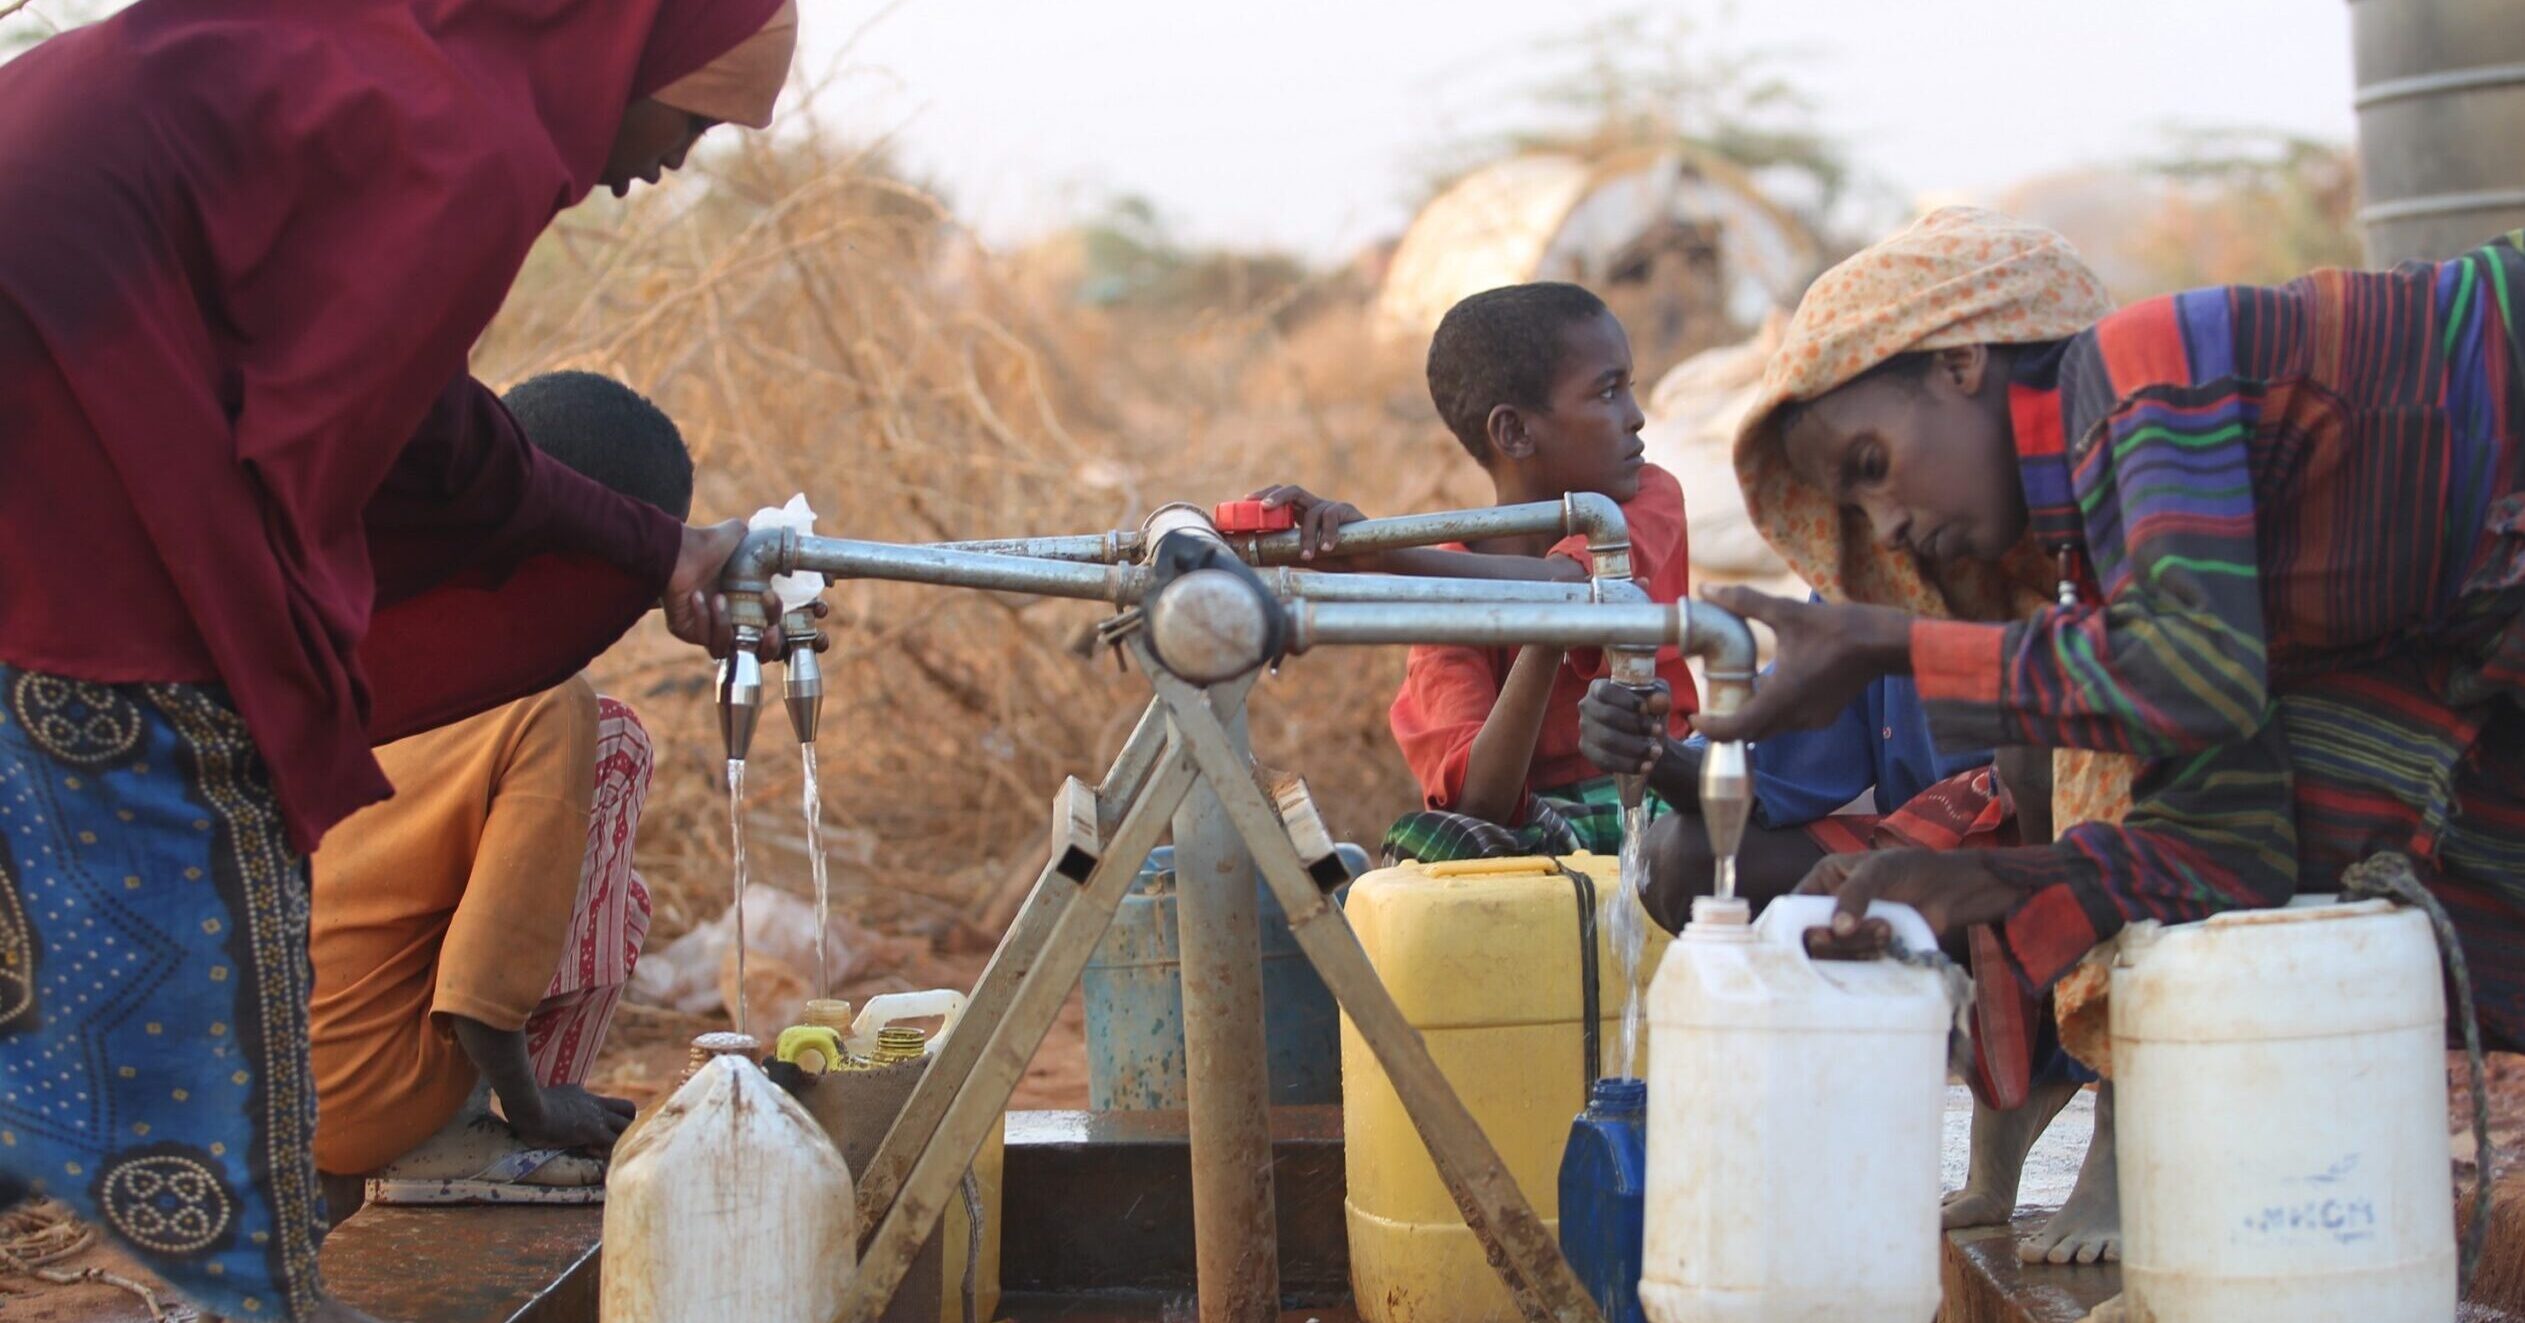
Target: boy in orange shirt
pixel 472 936
pixel 1535 382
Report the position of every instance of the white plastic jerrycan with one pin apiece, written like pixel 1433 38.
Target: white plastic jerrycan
pixel 2281 1079
pixel 943 1004
pixel 729 1204
pixel 1795 1109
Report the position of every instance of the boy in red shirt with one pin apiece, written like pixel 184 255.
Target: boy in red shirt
pixel 1535 381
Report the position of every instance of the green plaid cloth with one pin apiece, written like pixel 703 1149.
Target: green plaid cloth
pixel 1586 816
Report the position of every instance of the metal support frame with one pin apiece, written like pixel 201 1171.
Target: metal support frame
pixel 1186 765
pixel 1185 738
pixel 1227 1072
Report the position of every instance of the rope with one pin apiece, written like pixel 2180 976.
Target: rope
pixel 41 1232
pixel 1590 995
pixel 2391 877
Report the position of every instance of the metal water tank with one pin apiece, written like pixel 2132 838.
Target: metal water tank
pixel 2441 124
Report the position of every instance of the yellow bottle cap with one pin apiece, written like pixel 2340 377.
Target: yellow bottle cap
pixel 813 1048
pixel 901 1043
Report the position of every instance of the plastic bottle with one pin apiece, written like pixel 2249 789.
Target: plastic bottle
pixel 2282 1082
pixel 943 1004
pixel 729 1204
pixel 705 1049
pixel 1794 1120
pixel 1604 1192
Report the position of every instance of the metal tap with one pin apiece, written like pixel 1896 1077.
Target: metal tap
pixel 1726 771
pixel 803 691
pixel 741 693
pixel 1634 669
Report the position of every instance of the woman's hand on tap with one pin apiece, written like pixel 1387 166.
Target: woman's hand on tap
pixel 1828 655
pixel 696 611
pixel 1952 889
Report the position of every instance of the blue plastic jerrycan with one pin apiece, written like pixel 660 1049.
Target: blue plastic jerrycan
pixel 1604 1195
pixel 1134 993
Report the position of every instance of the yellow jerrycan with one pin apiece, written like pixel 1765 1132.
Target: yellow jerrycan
pixel 1485 958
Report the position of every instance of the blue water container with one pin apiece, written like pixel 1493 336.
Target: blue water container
pixel 1604 1195
pixel 1134 990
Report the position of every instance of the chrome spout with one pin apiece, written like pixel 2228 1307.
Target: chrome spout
pixel 1727 658
pixel 741 693
pixel 803 688
pixel 1726 798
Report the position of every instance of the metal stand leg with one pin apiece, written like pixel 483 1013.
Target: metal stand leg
pixel 1226 1066
pixel 1515 1240
pixel 1011 1041
pixel 1050 947
pixel 997 989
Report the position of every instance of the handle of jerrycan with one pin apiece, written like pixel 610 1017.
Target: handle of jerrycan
pixel 946 1004
pixel 1785 920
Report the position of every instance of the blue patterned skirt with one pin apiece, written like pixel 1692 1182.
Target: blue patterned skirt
pixel 153 987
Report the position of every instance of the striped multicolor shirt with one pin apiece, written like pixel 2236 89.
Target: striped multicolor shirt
pixel 2283 498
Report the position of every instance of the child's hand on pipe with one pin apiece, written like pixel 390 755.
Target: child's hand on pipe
pixel 1319 519
pixel 1828 655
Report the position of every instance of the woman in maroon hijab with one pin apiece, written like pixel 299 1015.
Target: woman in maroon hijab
pixel 255 516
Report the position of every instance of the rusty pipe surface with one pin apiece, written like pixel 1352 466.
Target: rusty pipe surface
pixel 1100 566
pixel 1226 1060
pixel 1595 515
pixel 1320 586
pixel 1489 624
pixel 1120 547
pixel 1175 517
pixel 842 558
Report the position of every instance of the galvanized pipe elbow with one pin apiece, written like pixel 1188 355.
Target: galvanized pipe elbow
pixel 1724 643
pixel 1608 534
pixel 748 574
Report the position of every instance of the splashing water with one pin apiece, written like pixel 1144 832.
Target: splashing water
pixel 1629 933
pixel 813 806
pixel 736 835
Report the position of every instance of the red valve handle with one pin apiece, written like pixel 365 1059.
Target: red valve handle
pixel 1243 517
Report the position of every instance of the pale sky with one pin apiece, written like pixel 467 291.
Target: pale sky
pixel 1302 123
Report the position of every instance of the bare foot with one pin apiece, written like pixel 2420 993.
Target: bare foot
pixel 1999 1144
pixel 2088 1227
